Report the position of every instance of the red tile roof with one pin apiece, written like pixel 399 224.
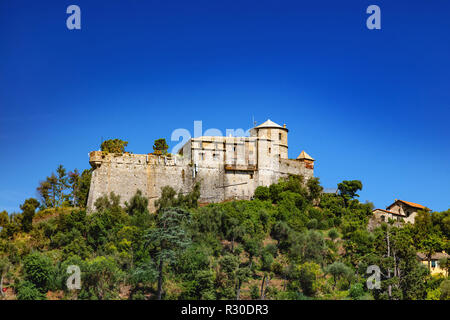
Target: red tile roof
pixel 411 204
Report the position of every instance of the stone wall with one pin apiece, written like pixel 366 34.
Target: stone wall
pixel 227 168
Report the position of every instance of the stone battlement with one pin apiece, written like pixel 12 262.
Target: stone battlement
pixel 226 167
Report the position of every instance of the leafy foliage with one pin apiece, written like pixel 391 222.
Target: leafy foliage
pixel 113 146
pixel 160 146
pixel 290 242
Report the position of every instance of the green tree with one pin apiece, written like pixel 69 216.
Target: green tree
pixel 333 234
pixel 236 275
pixel 444 263
pixel 348 189
pixel 266 259
pixel 253 247
pixel 28 211
pixel 242 275
pixel 138 204
pixel 38 269
pixel 314 189
pixel 170 199
pixel 308 275
pixel 307 246
pixel 80 185
pixel 137 208
pixel 101 278
pixel 47 191
pixel 339 270
pixel 160 146
pixel 113 146
pixel 169 238
pixel 280 232
pixel 430 245
pixel 356 291
pixel 62 186
pixel 445 290
pixel 234 231
pixel 26 290
pixel 4 219
pixel 143 274
pixel 55 190
pixel 262 193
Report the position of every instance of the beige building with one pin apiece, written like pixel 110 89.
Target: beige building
pixel 400 210
pixel 435 268
pixel 226 167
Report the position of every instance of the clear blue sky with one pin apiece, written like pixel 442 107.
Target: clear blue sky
pixel 372 105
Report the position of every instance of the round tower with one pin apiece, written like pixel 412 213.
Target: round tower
pixel 272 139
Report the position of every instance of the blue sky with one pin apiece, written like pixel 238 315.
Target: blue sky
pixel 372 105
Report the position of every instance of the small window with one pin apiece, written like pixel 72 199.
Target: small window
pixel 433 264
pixel 202 156
pixel 251 175
pixel 279 136
pixel 270 149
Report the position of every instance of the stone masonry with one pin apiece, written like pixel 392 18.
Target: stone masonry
pixel 227 167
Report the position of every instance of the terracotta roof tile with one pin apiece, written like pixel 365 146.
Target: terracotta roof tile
pixel 411 204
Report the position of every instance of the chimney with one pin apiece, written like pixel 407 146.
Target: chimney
pixel 284 125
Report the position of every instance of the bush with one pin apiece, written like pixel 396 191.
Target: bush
pixel 312 224
pixel 445 290
pixel 254 292
pixel 339 270
pixel 356 291
pixel 262 193
pixel 333 234
pixel 114 146
pixel 28 291
pixel 101 278
pixel 38 270
pixel 308 274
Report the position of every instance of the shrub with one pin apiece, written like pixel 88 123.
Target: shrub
pixel 333 234
pixel 28 291
pixel 114 146
pixel 254 292
pixel 262 193
pixel 38 270
pixel 445 290
pixel 356 291
pixel 312 224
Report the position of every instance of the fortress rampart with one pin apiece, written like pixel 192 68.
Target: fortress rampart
pixel 226 167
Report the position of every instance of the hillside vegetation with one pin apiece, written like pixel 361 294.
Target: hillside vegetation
pixel 290 242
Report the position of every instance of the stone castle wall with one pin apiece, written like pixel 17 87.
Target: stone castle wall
pixel 227 168
pixel 124 174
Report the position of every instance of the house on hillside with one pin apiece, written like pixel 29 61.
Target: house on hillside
pixel 399 211
pixel 405 208
pixel 435 268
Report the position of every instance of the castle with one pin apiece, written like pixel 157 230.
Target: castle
pixel 227 167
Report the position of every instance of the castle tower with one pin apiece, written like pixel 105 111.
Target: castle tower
pixel 306 159
pixel 272 146
pixel 275 134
